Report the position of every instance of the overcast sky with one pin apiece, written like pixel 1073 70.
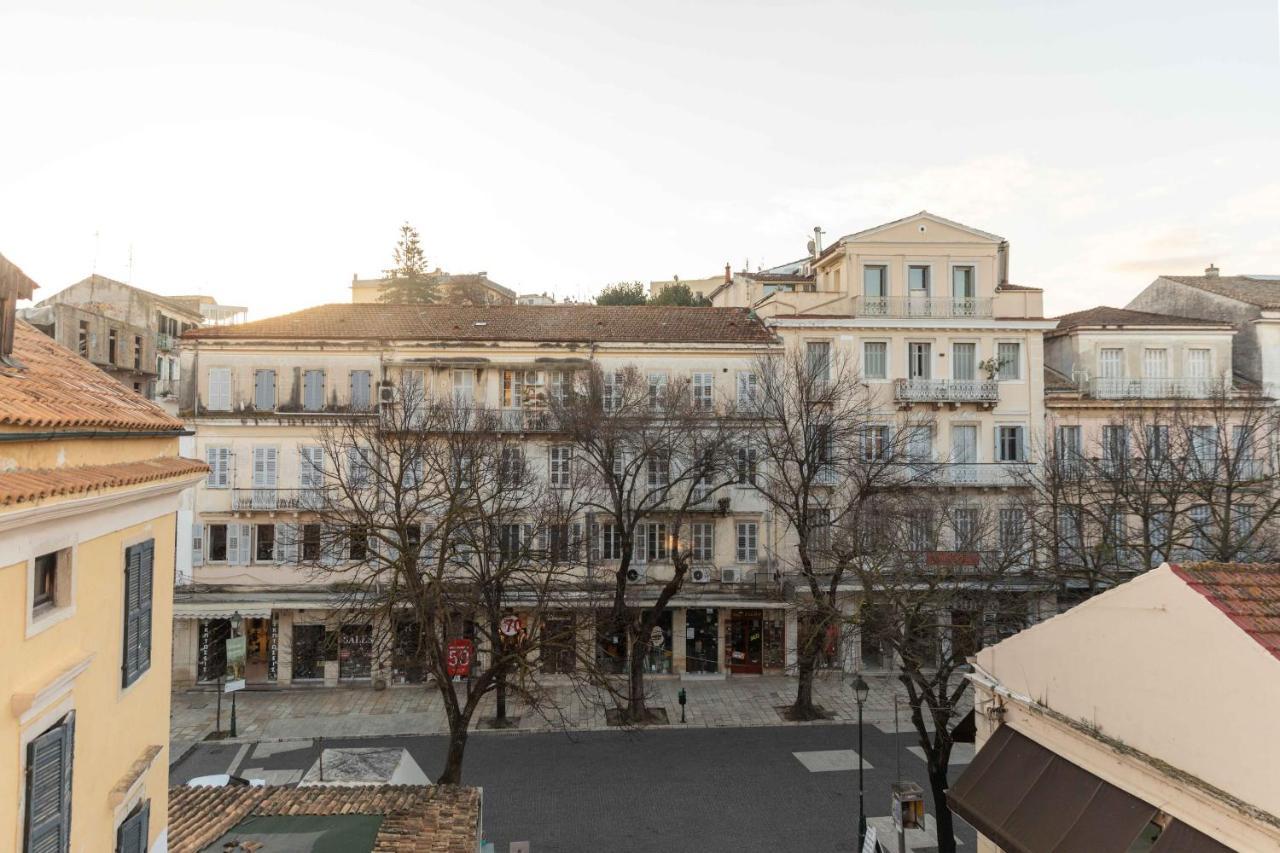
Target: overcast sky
pixel 264 152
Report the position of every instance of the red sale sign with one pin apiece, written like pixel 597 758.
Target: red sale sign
pixel 458 660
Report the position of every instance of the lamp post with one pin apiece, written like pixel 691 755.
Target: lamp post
pixel 860 692
pixel 236 622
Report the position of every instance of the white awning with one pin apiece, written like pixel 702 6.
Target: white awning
pixel 213 610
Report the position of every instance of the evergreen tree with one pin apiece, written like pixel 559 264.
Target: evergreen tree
pixel 679 294
pixel 622 293
pixel 410 281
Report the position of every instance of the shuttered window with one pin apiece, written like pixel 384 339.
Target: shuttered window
pixel 219 459
pixel 748 390
pixel 219 389
pixel 311 467
pixel 964 360
pixel 131 837
pixel 1009 361
pixel 265 466
pixel 48 818
pixel 361 397
pixel 875 360
pixel 264 390
pixel 139 563
pixel 313 390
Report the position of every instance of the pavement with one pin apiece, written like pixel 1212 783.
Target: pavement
pixel 691 787
pixel 311 712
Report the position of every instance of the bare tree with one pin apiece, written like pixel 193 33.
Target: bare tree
pixel 648 457
pixel 821 450
pixel 436 528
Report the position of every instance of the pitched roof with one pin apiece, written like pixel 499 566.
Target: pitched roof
pixel 1057 381
pixel 14 283
pixel 924 214
pixel 416 818
pixel 1261 291
pixel 97 278
pixel 1106 316
pixel 54 387
pixel 1248 593
pixel 551 323
pixel 33 484
pixel 1018 288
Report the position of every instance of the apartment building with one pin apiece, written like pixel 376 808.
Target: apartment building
pixel 130 333
pixel 260 393
pixel 90 478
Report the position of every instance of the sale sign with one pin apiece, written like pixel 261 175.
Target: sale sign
pixel 458 659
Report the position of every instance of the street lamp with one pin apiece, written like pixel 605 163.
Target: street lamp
pixel 860 692
pixel 236 622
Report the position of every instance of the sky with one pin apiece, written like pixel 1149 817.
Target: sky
pixel 264 152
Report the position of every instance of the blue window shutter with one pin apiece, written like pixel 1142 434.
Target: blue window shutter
pixel 48 818
pixel 131 837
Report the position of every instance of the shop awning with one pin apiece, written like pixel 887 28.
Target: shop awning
pixel 1029 800
pixel 211 610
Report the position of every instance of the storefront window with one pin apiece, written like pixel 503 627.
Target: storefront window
pixel 212 663
pixel 658 661
pixel 775 644
pixel 355 651
pixel 611 645
pixel 701 643
pixel 308 652
pixel 828 640
pixel 557 642
pixel 407 653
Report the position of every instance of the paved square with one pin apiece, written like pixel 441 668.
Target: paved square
pixel 824 761
pixel 961 753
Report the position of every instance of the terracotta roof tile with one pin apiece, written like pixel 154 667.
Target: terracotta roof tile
pixel 1106 316
pixel 1248 593
pixel 1254 290
pixel 1018 288
pixel 54 387
pixel 26 485
pixel 552 323
pixel 417 818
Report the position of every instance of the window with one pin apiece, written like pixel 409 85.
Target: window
pixel 561 385
pixel 920 444
pixel 359 470
pixel 113 345
pixel 610 542
pixel 1155 363
pixel 357 542
pixel 650 542
pixel 311 468
pixel 1111 363
pixel 511 540
pixel 82 339
pixel 139 565
pixel 918 281
pixel 1200 518
pixel 265 467
pixel 964 361
pixel 919 360
pixel 964 521
pixel 1067 446
pixel 1115 448
pixel 748 390
pixel 875 360
pixel 611 391
pixel 219 389
pixel 920 531
pixel 659 470
pixel 464 387
pixel 1157 443
pixel 875 282
pixel 1012 531
pixel 511 465
pixel 131 836
pixel 703 389
pixel 747 546
pixel 217 543
pixel 657 390
pixel 45 593
pixel 1010 446
pixel 875 443
pixel 264 550
pixel 1009 361
pixel 313 390
pixel 518 387
pixel 137 352
pixel 48 801
pixel 702 538
pixel 962 283
pixel 311 542
pixel 747 463
pixel 361 390
pixel 818 360
pixel 561 466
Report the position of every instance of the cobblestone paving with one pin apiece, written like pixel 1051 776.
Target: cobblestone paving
pixel 416 710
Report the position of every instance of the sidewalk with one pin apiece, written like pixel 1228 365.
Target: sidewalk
pixel 305 713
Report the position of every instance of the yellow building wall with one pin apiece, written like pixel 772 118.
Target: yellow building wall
pixel 72 452
pixel 114 725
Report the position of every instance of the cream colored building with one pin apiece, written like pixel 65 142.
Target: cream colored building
pixel 90 478
pixel 697 286
pixel 1142 719
pixel 260 394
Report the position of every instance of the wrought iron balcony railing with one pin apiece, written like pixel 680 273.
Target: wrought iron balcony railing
pixel 946 391
pixel 266 499
pixel 968 473
pixel 1109 388
pixel 912 307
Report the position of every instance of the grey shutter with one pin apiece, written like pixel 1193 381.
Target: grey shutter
pixel 147 566
pixel 233 544
pixel 286 543
pixel 48 819
pixel 197 544
pixel 131 837
pixel 138 571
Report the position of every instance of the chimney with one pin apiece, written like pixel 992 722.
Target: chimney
pixel 14 285
pixel 817 240
pixel 1211 271
pixel 728 275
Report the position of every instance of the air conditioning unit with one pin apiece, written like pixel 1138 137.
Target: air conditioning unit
pixel 636 574
pixel 732 575
pixel 700 574
pixel 386 393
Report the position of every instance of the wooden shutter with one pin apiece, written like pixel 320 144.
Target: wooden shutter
pixel 220 389
pixel 197 544
pixel 264 467
pixel 233 544
pixel 48 819
pixel 286 543
pixel 246 542
pixel 138 573
pixel 219 460
pixel 131 837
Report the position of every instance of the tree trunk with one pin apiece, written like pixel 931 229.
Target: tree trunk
pixel 635 681
pixel 452 773
pixel 946 829
pixel 806 666
pixel 500 699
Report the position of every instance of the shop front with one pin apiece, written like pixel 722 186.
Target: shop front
pixel 312 646
pixel 660 657
pixel 355 652
pixel 701 640
pixel 261 639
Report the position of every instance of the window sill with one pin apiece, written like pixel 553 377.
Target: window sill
pixel 42 619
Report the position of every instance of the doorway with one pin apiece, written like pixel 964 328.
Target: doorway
pixel 745 651
pixel 257 650
pixel 702 639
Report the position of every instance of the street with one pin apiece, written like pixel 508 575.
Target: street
pixel 740 789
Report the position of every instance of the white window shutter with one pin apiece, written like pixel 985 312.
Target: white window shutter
pixel 270 467
pixel 246 543
pixel 220 389
pixel 259 467
pixel 197 544
pixel 286 543
pixel 211 458
pixel 233 544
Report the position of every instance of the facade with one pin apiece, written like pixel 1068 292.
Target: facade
pixel 1138 720
pixel 260 393
pixel 697 286
pixel 213 313
pixel 90 478
pixel 1249 302
pixel 129 333
pixel 455 288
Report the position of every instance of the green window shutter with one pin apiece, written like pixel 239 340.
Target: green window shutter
pixel 138 572
pixel 131 837
pixel 48 819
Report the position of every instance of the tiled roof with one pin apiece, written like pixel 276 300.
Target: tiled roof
pixel 1262 292
pixel 14 283
pixel 1018 287
pixel 1248 593
pixel 778 276
pixel 417 818
pixel 1107 316
pixel 1056 381
pixel 54 387
pixel 552 323
pixel 26 485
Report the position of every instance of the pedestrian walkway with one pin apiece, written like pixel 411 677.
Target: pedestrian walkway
pixel 737 701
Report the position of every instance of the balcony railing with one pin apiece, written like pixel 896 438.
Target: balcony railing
pixel 909 307
pixel 1107 388
pixel 526 420
pixel 969 473
pixel 165 341
pixel 946 391
pixel 276 499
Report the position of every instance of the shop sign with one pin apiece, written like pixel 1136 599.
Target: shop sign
pixel 869 841
pixel 657 639
pixel 458 658
pixel 273 657
pixel 235 665
pixel 509 626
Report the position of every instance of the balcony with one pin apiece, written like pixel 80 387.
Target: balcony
pixel 270 500
pixel 923 308
pixel 907 392
pixel 1151 389
pixel 981 474
pixel 165 341
pixel 526 420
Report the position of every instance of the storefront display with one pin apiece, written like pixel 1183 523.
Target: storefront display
pixel 309 647
pixel 355 652
pixel 744 648
pixel 658 661
pixel 212 651
pixel 701 644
